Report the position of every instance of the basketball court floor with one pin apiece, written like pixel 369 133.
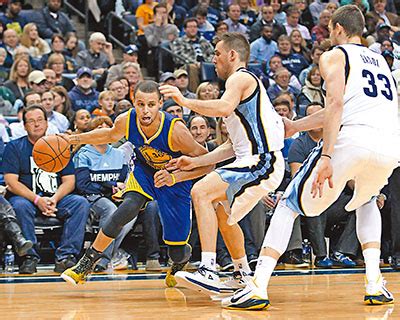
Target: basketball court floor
pixel 310 294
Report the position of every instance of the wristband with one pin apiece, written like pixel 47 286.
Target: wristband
pixel 326 155
pixel 36 200
pixel 173 179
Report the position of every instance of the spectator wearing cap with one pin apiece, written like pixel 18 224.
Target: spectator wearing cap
pixel 83 96
pixel 99 56
pixel 182 82
pixel 130 54
pixel 233 23
pixel 379 13
pixel 382 34
pixel 321 30
pixel 37 81
pixel 12 18
pixel 167 78
pixel 50 20
pixel 171 107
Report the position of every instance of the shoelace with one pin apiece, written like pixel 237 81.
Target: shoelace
pixel 85 265
pixel 177 267
pixel 203 270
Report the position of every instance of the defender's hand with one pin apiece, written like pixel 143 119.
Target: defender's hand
pixel 324 172
pixel 163 178
pixel 183 163
pixel 172 92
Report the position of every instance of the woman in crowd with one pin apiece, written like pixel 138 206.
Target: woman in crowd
pixel 62 103
pixel 299 45
pixel 58 46
pixel 206 91
pixel 311 92
pixel 80 121
pixel 30 39
pixel 18 82
pixel 71 45
pixel 56 62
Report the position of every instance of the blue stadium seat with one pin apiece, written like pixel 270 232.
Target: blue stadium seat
pixel 207 72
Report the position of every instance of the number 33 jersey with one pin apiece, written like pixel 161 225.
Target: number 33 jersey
pixel 370 96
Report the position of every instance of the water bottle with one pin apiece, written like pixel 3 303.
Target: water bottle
pixel 306 251
pixel 9 260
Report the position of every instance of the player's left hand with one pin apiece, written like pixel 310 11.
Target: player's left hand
pixel 324 172
pixel 163 178
pixel 172 92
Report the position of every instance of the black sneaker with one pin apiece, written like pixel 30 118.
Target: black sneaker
pixel 226 264
pixel 29 266
pixel 395 263
pixel 78 273
pixel 62 265
pixel 294 260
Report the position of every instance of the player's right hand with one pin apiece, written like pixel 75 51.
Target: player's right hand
pixel 289 127
pixel 172 92
pixel 184 163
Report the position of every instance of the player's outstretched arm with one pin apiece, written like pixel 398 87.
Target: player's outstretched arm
pixel 236 86
pixel 101 136
pixel 314 121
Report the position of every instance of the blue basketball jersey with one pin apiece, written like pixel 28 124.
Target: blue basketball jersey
pixel 153 153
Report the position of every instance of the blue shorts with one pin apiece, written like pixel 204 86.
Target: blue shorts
pixel 174 204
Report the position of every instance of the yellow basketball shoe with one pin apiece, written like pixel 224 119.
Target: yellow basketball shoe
pixel 170 280
pixel 376 293
pixel 79 272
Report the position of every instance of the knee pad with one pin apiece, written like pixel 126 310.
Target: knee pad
pixel 180 254
pixel 369 223
pixel 126 212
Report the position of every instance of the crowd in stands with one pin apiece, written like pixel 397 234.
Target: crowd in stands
pixel 50 82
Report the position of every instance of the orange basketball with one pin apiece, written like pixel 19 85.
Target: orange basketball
pixel 51 153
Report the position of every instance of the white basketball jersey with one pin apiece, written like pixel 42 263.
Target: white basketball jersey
pixel 370 97
pixel 254 127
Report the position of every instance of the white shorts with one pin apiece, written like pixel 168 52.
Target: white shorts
pixel 249 180
pixel 369 170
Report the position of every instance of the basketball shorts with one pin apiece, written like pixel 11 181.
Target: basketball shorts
pixel 369 170
pixel 249 180
pixel 174 204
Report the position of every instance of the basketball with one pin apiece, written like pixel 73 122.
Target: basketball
pixel 51 153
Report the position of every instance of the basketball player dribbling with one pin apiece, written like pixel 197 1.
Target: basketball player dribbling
pixel 360 143
pixel 226 195
pixel 157 138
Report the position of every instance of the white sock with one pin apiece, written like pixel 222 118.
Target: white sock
pixel 372 259
pixel 241 264
pixel 208 259
pixel 265 267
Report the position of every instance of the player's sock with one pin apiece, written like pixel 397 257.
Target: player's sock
pixel 241 264
pixel 264 269
pixel 371 259
pixel 208 259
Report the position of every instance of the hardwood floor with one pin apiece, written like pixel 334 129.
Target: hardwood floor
pixel 332 296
